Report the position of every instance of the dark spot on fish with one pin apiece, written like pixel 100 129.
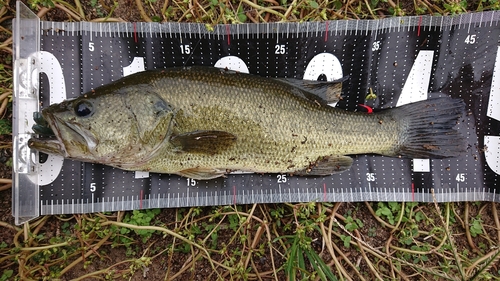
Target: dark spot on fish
pixel 430 147
pixel 329 144
pixel 291 166
pixel 304 141
pixel 293 149
pixel 276 163
pixel 232 159
pixel 295 135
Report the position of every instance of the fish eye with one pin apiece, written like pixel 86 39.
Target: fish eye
pixel 83 109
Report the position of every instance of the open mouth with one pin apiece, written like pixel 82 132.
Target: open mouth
pixel 47 141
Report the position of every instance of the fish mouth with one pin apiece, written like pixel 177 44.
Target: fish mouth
pixel 57 136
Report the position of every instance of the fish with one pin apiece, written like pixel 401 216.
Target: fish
pixel 204 122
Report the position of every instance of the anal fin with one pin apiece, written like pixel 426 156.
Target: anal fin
pixel 327 165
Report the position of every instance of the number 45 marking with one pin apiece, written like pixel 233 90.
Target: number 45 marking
pixel 470 39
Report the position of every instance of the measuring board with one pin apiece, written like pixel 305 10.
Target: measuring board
pixel 400 59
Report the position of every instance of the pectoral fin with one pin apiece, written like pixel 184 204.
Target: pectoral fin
pixel 201 173
pixel 327 165
pixel 205 142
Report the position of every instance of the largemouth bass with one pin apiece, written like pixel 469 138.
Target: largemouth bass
pixel 203 122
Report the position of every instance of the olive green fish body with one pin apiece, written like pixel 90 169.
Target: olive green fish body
pixel 202 122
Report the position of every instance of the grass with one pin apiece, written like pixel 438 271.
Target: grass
pixel 303 241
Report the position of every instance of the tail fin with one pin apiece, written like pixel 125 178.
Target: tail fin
pixel 429 128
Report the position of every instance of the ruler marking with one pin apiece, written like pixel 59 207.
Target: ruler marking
pixel 419 24
pixel 135 32
pixel 470 23
pixel 413 192
pixel 179 33
pixel 277 33
pixel 491 21
pixel 234 194
pixel 140 199
pixel 228 33
pixel 326 31
pixel 324 192
pixel 280 192
pixel 337 27
pixel 352 194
